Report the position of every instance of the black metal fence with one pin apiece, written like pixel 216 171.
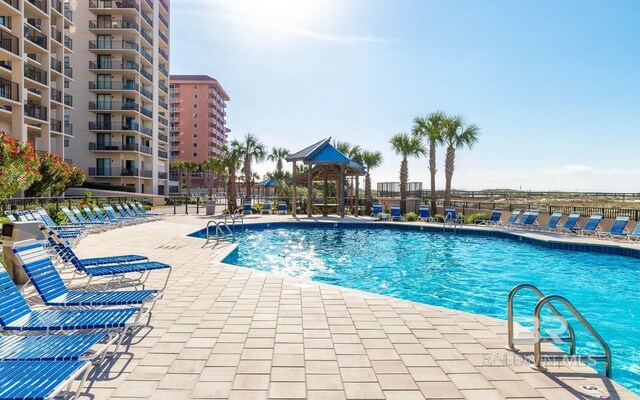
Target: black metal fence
pixel 54 203
pixel 608 212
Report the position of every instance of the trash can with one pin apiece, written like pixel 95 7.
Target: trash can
pixel 211 207
pixel 14 232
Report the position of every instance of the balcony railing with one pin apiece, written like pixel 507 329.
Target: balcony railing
pixel 118 45
pixel 146 18
pixel 163 54
pixel 163 104
pixel 35 111
pixel 113 85
pixel 162 138
pixel 114 126
pixel 68 71
pixel 164 21
pixel 68 128
pixel 56 95
pixel 56 65
pixel 146 74
pixel 68 42
pixel 163 120
pixel 162 154
pixel 163 87
pixel 40 4
pixel 36 74
pixel 146 150
pixel 146 55
pixel 13 3
pixel 127 65
pixel 9 42
pixel 56 125
pixel 146 93
pixel 114 105
pixel 146 173
pixel 114 172
pixel 109 4
pixel 163 70
pixel 146 112
pixel 9 90
pixel 56 5
pixel 162 175
pixel 163 37
pixel 56 35
pixel 124 24
pixel 145 130
pixel 35 36
pixel 68 100
pixel 68 14
pixel 114 146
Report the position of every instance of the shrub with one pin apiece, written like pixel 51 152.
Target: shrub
pixel 475 218
pixel 3 220
pixel 56 176
pixel 438 217
pixel 411 216
pixel 19 166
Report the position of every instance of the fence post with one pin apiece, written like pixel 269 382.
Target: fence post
pixel 198 205
pixel 186 205
pixel 174 207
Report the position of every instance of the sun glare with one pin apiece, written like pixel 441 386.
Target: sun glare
pixel 280 13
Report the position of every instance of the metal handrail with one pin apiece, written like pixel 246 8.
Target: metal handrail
pixel 218 225
pixel 512 294
pixel 537 353
pixel 234 217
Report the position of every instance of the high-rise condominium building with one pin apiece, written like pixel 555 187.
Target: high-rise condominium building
pixel 121 92
pixel 198 113
pixel 34 72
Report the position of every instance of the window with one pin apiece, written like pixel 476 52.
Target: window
pixel 195 154
pixel 195 86
pixel 195 135
pixel 195 125
pixel 195 96
pixel 195 106
pixel 195 145
pixel 195 115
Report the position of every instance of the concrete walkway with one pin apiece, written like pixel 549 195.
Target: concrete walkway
pixel 228 332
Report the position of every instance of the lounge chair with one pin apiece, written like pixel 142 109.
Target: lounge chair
pixel 95 219
pixel 494 218
pixel 53 292
pixel 618 228
pixel 451 217
pixel 376 209
pixel 528 220
pixel 134 214
pixel 425 214
pixel 395 213
pixel 591 227
pixel 282 208
pixel 10 216
pixel 142 210
pixel 72 235
pixel 128 214
pixel 78 346
pixel 105 217
pixel 247 209
pixel 89 221
pixel 512 218
pixel 36 379
pixel 571 224
pixel 266 208
pixel 139 213
pixel 634 235
pixel 552 224
pixel 113 216
pixel 74 220
pixel 52 224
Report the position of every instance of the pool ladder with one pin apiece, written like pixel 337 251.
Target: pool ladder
pixel 223 224
pixel 537 337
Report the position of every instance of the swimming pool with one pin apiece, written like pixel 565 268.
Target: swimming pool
pixel 463 272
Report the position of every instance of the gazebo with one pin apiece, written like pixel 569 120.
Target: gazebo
pixel 325 163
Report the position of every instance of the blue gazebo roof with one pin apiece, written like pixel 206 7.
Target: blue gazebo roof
pixel 322 152
pixel 268 182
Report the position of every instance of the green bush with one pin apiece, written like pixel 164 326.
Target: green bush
pixel 411 216
pixel 439 217
pixel 475 218
pixel 3 220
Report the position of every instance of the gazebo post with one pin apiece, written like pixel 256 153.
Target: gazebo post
pixel 356 210
pixel 294 200
pixel 342 180
pixel 309 189
pixel 326 190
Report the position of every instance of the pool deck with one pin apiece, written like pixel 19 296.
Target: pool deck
pixel 229 332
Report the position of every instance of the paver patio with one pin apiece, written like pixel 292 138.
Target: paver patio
pixel 228 332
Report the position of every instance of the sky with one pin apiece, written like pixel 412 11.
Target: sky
pixel 554 86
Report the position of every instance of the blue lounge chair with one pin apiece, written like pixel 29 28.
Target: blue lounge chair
pixel 74 220
pixel 133 209
pixel 113 216
pixel 52 224
pixel 376 209
pixel 96 218
pixel 124 213
pixel 395 213
pixel 16 315
pixel 31 380
pixel 552 224
pixel 494 218
pixel 10 216
pixel 143 211
pixel 282 208
pixel 634 235
pixel 88 221
pixel 528 220
pixel 49 285
pixel 266 208
pixel 425 214
pixel 72 235
pixel 591 226
pixel 105 217
pixel 512 218
pixel 133 214
pixel 78 346
pixel 618 228
pixel 571 224
pixel 247 209
pixel 451 217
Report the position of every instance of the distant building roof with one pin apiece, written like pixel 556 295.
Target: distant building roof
pixel 199 78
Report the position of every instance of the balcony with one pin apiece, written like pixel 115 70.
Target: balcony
pixel 9 42
pixel 146 112
pixel 56 35
pixel 146 173
pixel 104 65
pixel 146 55
pixel 9 90
pixel 101 4
pixel 68 72
pixel 146 150
pixel 113 85
pixel 114 106
pixel 68 100
pixel 166 7
pixel 40 4
pixel 146 93
pixel 56 125
pixel 114 126
pixel 36 111
pixel 68 129
pixel 68 43
pixel 163 54
pixel 164 71
pixel 56 95
pixel 13 3
pixel 35 74
pixel 124 24
pixel 145 130
pixel 163 37
pixel 164 21
pixel 162 120
pixel 56 5
pixel 147 18
pixel 56 65
pixel 162 138
pixel 109 45
pixel 162 154
pixel 163 104
pixel 118 172
pixel 163 87
pixel 146 74
pixel 35 36
pixel 68 14
pixel 162 175
pixel 114 147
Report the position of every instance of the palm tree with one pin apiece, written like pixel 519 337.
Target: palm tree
pixel 178 166
pixel 406 146
pixel 431 128
pixel 214 167
pixel 231 157
pixel 278 154
pixel 251 150
pixel 371 160
pixel 189 167
pixel 457 135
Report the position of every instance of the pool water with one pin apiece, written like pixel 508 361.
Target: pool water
pixel 463 272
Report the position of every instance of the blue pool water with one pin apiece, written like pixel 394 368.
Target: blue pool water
pixel 463 272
